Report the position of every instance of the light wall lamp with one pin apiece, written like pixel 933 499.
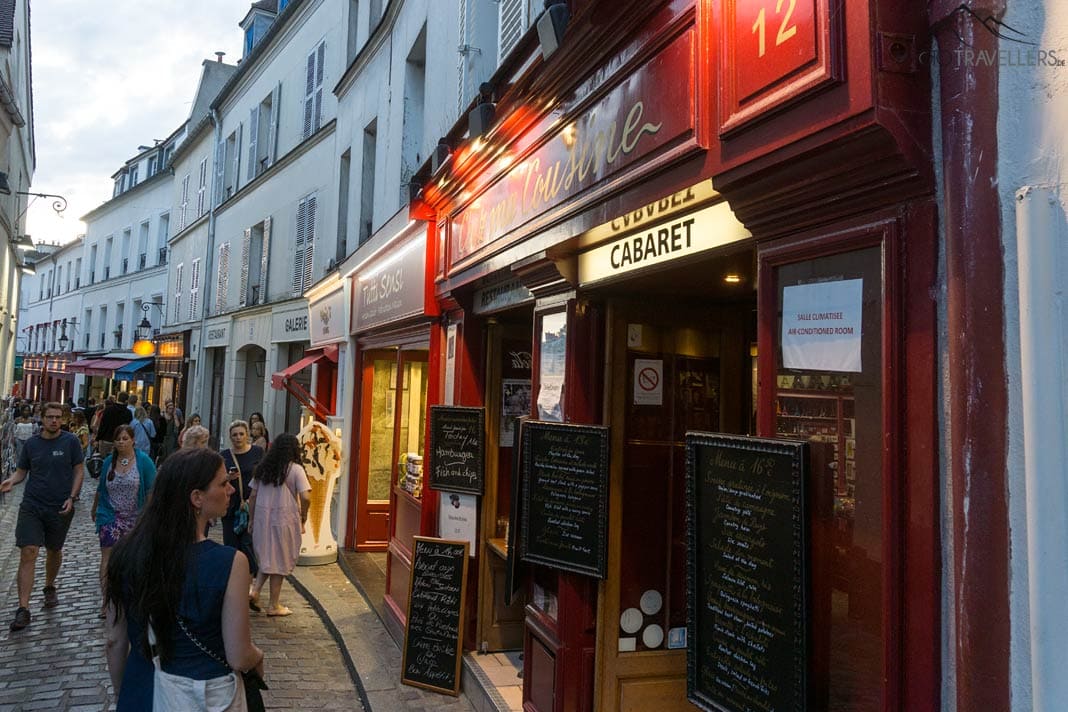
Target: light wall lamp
pixel 481 117
pixel 551 26
pixel 144 344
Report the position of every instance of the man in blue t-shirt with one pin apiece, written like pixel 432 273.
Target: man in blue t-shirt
pixel 53 461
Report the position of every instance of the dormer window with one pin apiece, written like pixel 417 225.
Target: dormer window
pixel 118 187
pixel 133 176
pixel 250 39
pixel 258 21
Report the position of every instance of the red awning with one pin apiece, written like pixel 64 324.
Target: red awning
pixel 96 366
pixel 281 379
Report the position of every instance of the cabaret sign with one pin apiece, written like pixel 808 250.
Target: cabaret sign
pixel 652 107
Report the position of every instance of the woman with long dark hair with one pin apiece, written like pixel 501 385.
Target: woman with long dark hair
pixel 193 591
pixel 278 509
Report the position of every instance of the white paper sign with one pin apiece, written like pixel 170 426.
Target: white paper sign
pixel 648 381
pixel 821 326
pixel 458 518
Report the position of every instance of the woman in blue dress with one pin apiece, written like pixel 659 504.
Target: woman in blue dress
pixel 194 591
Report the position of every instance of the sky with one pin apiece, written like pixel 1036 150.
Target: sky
pixel 107 78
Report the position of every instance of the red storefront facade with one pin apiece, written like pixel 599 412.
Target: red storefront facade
pixel 662 193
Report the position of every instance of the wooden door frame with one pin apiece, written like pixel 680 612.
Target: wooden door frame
pixel 367 359
pixel 663 663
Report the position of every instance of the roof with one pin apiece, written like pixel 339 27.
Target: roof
pixel 212 80
pixel 270 6
pixel 7 22
pixel 259 49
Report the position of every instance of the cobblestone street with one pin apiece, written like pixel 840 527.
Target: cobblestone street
pixel 58 662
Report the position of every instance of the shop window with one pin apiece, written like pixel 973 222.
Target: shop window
pixel 398 430
pixel 829 393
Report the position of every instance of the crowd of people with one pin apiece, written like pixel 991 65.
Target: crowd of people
pixel 176 603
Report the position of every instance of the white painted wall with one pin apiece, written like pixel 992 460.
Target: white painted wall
pixel 1033 112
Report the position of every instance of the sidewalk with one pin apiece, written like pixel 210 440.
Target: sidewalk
pixel 57 663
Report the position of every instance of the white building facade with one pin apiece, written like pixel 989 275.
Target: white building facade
pixel 17 161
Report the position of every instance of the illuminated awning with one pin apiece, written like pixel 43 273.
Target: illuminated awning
pixel 132 370
pixel 282 379
pixel 96 366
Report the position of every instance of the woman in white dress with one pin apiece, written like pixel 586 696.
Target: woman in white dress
pixel 278 509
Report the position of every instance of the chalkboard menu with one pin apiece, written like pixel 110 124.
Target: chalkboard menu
pixel 747 573
pixel 457 448
pixel 565 496
pixel 432 636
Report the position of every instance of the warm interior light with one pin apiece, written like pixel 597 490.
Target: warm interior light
pixel 732 279
pixel 144 348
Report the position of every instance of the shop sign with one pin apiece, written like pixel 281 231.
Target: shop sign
pixel 217 335
pixel 170 349
pixel 290 326
pixel 326 318
pixel 391 289
pixel 646 111
pixel 676 238
pixel 501 296
pixel 821 326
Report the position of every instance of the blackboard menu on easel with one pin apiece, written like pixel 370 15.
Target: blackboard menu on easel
pixel 433 633
pixel 746 573
pixel 565 496
pixel 457 448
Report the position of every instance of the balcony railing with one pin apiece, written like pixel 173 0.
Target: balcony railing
pixel 142 260
pixel 125 265
pixel 162 256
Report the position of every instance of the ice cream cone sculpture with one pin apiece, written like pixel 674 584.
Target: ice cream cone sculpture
pixel 321 455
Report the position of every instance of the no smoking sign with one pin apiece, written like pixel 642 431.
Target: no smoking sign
pixel 648 381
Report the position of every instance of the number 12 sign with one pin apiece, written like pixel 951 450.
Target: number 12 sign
pixel 773 52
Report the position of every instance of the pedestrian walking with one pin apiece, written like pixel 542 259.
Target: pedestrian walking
pixel 158 424
pixel 279 509
pixel 80 428
pixel 125 481
pixel 168 583
pixel 144 430
pixel 115 414
pixel 241 459
pixel 194 421
pixel 258 434
pixel 255 418
pixel 195 436
pixel 52 460
pixel 172 425
pixel 23 429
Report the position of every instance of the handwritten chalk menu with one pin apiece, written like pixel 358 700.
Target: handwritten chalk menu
pixel 747 573
pixel 565 496
pixel 457 447
pixel 432 636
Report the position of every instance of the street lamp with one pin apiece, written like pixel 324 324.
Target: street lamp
pixel 144 345
pixel 64 340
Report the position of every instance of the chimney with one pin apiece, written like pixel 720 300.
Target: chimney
pixel 219 56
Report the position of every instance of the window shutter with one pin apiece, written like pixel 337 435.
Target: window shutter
pixel 237 158
pixel 202 187
pixel 194 290
pixel 253 135
pixel 512 22
pixel 309 96
pixel 309 243
pixel 265 259
pixel 298 262
pixel 184 204
pixel 245 249
pixel 220 161
pixel 272 130
pixel 223 284
pixel 178 292
pixel 320 61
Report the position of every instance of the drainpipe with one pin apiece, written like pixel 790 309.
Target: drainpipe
pixel 1040 233
pixel 975 439
pixel 208 268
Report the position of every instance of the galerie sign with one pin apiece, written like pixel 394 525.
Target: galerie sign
pixel 821 326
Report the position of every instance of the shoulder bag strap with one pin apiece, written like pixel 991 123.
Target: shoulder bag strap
pixel 203 648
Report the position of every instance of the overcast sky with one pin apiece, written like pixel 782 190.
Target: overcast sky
pixel 108 77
